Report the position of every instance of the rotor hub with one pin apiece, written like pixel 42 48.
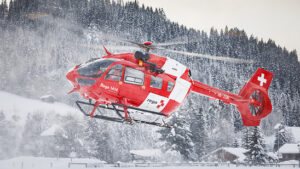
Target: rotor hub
pixel 256 103
pixel 147 43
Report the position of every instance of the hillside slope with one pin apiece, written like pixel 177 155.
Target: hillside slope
pixel 14 105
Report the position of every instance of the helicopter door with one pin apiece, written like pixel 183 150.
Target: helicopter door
pixel 112 80
pixel 154 101
pixel 134 86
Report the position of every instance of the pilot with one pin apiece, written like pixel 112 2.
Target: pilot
pixel 99 73
pixel 116 75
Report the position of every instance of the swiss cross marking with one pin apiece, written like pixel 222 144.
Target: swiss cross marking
pixel 262 79
pixel 161 104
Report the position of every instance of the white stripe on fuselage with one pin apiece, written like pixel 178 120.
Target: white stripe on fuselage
pixel 180 90
pixel 154 102
pixel 173 67
pixel 182 86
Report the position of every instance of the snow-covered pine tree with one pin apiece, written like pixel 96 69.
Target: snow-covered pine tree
pixel 98 141
pixel 178 137
pixel 256 155
pixel 70 139
pixel 31 143
pixel 90 133
pixel 246 138
pixel 281 136
pixel 8 139
pixel 235 143
pixel 199 132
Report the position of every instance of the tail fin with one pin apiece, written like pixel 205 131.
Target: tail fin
pixel 255 91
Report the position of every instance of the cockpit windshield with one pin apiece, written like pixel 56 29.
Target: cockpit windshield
pixel 95 68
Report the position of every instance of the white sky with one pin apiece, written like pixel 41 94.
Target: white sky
pixel 275 19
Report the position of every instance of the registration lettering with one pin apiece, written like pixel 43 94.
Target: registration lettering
pixel 109 87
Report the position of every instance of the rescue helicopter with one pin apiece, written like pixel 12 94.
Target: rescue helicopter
pixel 145 88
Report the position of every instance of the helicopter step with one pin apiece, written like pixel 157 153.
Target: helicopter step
pixel 120 118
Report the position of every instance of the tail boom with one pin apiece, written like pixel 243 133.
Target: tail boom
pixel 252 102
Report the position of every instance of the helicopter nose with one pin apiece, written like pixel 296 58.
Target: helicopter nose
pixel 71 76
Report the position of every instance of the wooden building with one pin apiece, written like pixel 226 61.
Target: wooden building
pixel 289 152
pixel 226 154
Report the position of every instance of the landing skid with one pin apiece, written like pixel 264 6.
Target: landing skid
pixel 120 118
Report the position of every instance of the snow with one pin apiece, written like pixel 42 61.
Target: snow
pixel 272 155
pixel 147 152
pixel 28 162
pixel 289 148
pixel 80 163
pixel 48 98
pixel 277 126
pixel 12 104
pixel 290 162
pixel 87 160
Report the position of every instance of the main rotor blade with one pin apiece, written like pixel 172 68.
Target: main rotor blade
pixel 221 58
pixel 110 47
pixel 170 43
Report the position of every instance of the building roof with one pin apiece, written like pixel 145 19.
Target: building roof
pixel 238 152
pixel 289 149
pixel 51 131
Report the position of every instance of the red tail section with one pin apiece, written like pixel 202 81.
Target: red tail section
pixel 256 92
pixel 252 102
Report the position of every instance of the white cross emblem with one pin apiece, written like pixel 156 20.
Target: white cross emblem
pixel 262 79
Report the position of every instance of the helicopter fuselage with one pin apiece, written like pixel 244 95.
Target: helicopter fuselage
pixel 135 85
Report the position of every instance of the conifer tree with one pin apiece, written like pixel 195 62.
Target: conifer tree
pixel 9 132
pixel 98 141
pixel 235 143
pixel 281 137
pixel 31 137
pixel 199 132
pixel 256 154
pixel 178 137
pixel 246 138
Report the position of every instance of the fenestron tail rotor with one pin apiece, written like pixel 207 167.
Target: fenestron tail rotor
pixel 256 103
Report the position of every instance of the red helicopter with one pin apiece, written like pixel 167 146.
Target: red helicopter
pixel 140 84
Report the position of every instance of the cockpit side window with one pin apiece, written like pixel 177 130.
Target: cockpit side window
pixel 156 82
pixel 134 76
pixel 95 68
pixel 115 73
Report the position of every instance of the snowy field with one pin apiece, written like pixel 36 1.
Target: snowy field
pixel 13 104
pixel 78 163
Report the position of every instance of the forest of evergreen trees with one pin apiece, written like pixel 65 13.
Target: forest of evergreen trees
pixel 42 39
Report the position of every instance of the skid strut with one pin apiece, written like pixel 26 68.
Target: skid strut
pixel 120 118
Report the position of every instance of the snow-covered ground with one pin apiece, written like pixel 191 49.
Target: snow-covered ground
pixel 77 163
pixel 20 106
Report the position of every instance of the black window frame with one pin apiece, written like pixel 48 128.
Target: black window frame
pixel 95 68
pixel 156 79
pixel 132 82
pixel 111 69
